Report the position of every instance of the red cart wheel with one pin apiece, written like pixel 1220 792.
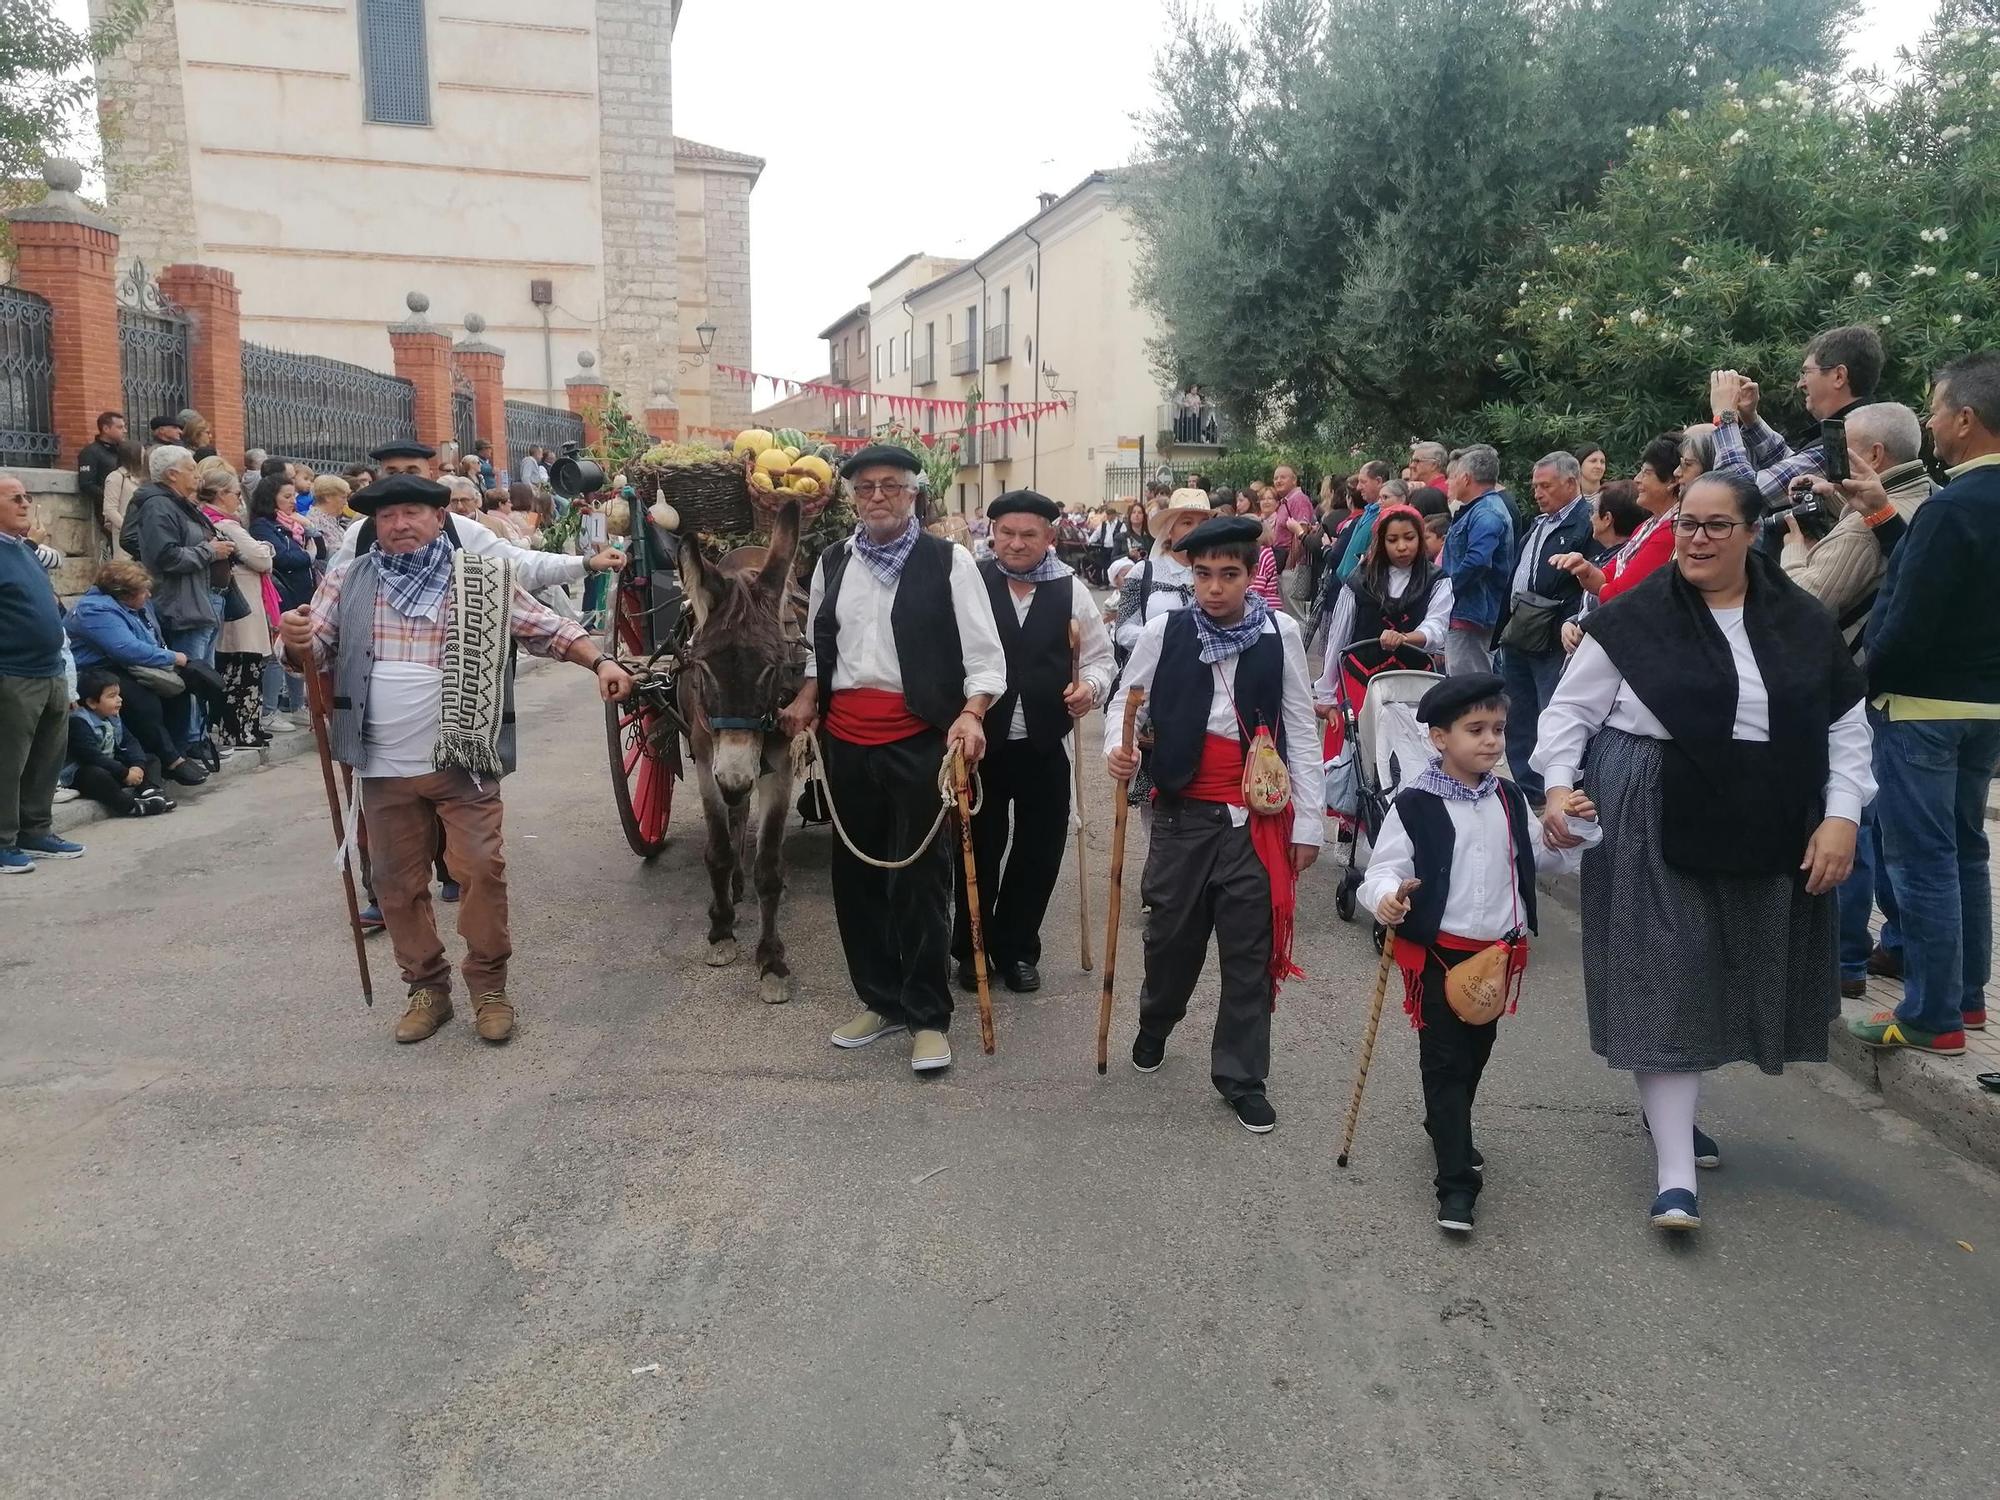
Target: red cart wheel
pixel 644 756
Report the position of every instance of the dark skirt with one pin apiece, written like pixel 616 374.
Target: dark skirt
pixel 243 699
pixel 1684 972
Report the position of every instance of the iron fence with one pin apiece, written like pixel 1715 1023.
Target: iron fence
pixel 530 425
pixel 27 378
pixel 1128 481
pixel 322 412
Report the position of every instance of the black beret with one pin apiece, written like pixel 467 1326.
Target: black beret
pixel 399 489
pixel 402 448
pixel 158 422
pixel 1445 704
pixel 878 455
pixel 1024 502
pixel 1221 531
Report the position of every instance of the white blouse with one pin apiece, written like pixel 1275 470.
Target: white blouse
pixel 1594 695
pixel 1340 633
pixel 1482 903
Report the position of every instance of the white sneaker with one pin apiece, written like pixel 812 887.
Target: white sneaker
pixel 274 724
pixel 67 794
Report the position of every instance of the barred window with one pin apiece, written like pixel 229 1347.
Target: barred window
pixel 395 66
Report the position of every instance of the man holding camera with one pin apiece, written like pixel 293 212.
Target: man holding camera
pixel 1839 372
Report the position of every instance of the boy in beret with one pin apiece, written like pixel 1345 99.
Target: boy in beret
pixel 1214 676
pixel 1468 840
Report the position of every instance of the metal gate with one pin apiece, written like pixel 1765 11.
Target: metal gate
pixel 322 412
pixel 531 425
pixel 463 425
pixel 152 349
pixel 1129 481
pixel 27 381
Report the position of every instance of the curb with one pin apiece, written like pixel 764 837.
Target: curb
pixel 1939 1093
pixel 70 816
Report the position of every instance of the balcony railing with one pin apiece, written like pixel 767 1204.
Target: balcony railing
pixel 923 370
pixel 968 450
pixel 997 448
pixel 838 369
pixel 964 357
pixel 998 346
pixel 1200 426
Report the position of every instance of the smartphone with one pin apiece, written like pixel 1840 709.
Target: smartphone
pixel 1833 438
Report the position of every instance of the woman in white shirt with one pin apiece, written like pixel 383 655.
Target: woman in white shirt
pixel 1728 756
pixel 1398 599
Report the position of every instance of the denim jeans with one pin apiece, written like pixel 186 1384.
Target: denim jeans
pixel 1934 776
pixel 185 720
pixel 283 691
pixel 1531 682
pixel 1859 895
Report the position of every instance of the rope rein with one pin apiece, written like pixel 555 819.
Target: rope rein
pixel 947 798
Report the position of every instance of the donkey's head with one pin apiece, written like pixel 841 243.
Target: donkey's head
pixel 740 669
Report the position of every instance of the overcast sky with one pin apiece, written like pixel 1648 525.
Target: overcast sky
pixel 903 125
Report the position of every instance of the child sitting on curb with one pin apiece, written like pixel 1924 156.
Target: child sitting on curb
pixel 104 762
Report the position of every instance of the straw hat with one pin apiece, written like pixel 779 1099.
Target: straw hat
pixel 1190 503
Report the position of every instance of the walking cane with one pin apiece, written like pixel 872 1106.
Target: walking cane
pixel 1076 747
pixel 1132 701
pixel 1374 1020
pixel 961 787
pixel 316 698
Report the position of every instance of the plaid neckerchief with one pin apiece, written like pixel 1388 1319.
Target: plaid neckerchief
pixel 1220 642
pixel 1048 570
pixel 886 561
pixel 1434 780
pixel 417 582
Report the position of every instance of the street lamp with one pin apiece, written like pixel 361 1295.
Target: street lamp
pixel 705 332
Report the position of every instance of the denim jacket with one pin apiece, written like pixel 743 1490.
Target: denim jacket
pixel 1479 560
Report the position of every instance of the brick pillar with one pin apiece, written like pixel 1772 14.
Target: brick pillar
pixel 68 255
pixel 423 357
pixel 587 394
pixel 215 368
pixel 663 416
pixel 485 365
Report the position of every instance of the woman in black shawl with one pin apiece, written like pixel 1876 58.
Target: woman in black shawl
pixel 1728 755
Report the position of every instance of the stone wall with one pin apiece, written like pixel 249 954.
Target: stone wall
pixel 61 517
pixel 148 180
pixel 636 177
pixel 726 212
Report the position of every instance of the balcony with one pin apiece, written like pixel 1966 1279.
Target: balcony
pixel 965 357
pixel 837 367
pixel 1201 426
pixel 998 446
pixel 923 370
pixel 999 348
pixel 968 450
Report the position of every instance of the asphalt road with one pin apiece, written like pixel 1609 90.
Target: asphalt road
pixel 670 1242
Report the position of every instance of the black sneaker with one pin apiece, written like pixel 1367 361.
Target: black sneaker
pixel 190 772
pixel 1255 1113
pixel 1455 1213
pixel 1477 1161
pixel 1148 1052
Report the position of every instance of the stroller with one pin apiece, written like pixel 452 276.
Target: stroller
pixel 1375 730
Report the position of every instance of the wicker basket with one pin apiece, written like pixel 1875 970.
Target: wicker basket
pixel 769 503
pixel 711 497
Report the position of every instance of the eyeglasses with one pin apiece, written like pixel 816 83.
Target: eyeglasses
pixel 1715 529
pixel 888 489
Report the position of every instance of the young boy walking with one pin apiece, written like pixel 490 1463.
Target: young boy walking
pixel 1468 840
pixel 1214 676
pixel 103 761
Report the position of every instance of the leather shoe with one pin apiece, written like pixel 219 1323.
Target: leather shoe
pixel 429 1009
pixel 968 977
pixel 1021 977
pixel 493 1017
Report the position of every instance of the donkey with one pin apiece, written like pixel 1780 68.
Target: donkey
pixel 743 664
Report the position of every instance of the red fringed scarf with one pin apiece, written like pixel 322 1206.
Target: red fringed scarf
pixel 1411 957
pixel 1219 778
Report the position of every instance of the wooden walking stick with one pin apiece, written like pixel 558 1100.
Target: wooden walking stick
pixel 1076 747
pixel 1123 810
pixel 961 787
pixel 1374 1020
pixel 316 698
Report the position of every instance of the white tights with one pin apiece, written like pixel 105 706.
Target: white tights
pixel 1669 1100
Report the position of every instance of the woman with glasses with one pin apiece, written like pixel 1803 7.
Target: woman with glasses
pixel 1728 756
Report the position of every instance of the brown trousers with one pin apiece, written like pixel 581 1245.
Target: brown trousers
pixel 403 814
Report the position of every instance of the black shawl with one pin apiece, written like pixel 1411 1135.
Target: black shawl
pixel 1729 806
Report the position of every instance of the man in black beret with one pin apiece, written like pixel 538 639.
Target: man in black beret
pixel 1040 606
pixel 425 717
pixel 905 661
pixel 1216 678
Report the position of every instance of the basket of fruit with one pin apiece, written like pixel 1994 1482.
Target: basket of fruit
pixel 707 486
pixel 786 465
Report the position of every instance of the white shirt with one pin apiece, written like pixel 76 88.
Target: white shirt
pixel 1482 903
pixel 1340 634
pixel 1158 601
pixel 1531 543
pixel 868 639
pixel 1594 695
pixel 1095 662
pixel 1302 731
pixel 534 571
pixel 533 473
pixel 400 732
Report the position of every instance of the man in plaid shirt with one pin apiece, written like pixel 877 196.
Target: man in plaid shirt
pixel 424 718
pixel 1839 372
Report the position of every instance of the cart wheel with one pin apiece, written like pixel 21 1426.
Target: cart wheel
pixel 1343 899
pixel 642 770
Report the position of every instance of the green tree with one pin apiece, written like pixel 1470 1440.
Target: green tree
pixel 1729 236
pixel 45 82
pixel 1330 182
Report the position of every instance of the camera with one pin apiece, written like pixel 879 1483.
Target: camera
pixel 1804 506
pixel 574 474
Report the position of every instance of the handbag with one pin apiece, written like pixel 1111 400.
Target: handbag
pixel 234 606
pixel 1532 623
pixel 1267 783
pixel 161 682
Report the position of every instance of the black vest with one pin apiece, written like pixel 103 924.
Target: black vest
pixel 1432 836
pixel 1183 685
pixel 1372 616
pixel 1037 657
pixel 928 651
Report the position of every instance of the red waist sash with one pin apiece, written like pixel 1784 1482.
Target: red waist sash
pixel 1219 778
pixel 871 716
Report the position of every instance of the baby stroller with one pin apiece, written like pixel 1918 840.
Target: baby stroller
pixel 1376 718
